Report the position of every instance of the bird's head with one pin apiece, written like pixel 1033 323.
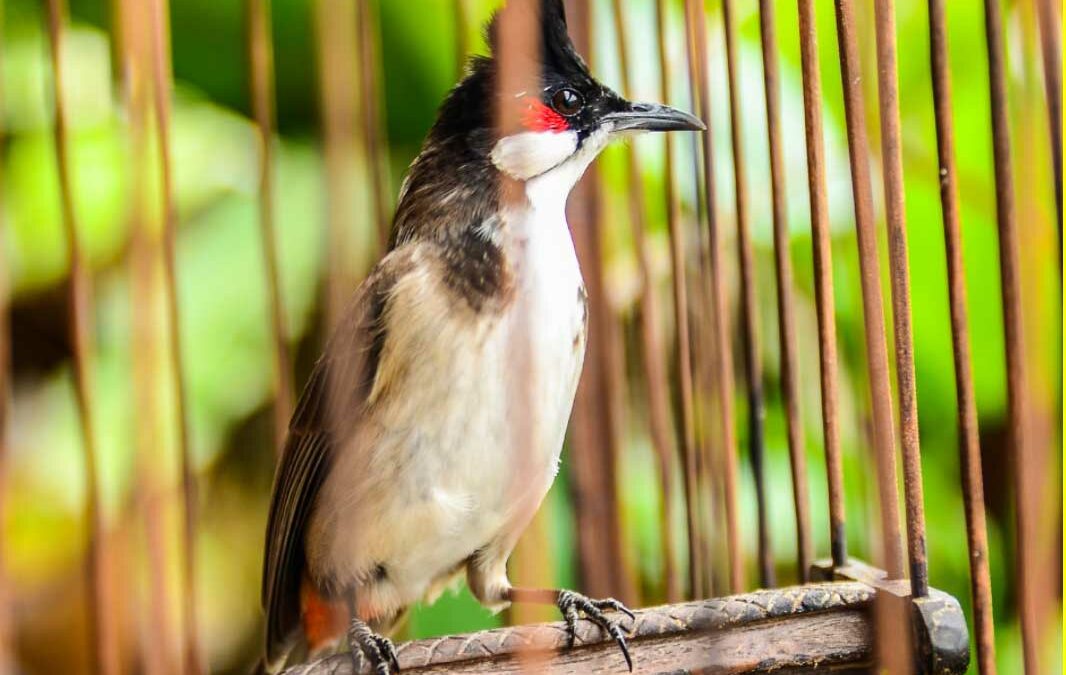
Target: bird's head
pixel 533 106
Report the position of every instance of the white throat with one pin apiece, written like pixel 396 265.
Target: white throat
pixel 549 163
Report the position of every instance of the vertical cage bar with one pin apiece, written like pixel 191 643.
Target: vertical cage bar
pixel 157 643
pixel 892 622
pixel 1050 22
pixel 701 336
pixel 80 310
pixel 373 129
pixel 870 274
pixel 1017 381
pixel 723 349
pixel 1040 338
pixel 161 74
pixel 596 417
pixel 517 56
pixel 823 278
pixel 682 343
pixel 892 154
pixel 461 14
pixel 335 30
pixel 6 622
pixel 786 319
pixel 649 324
pixel 969 448
pixel 749 308
pixel 261 67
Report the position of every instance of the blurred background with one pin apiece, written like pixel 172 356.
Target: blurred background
pixel 323 172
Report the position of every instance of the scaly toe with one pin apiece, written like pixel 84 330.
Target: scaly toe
pixel 612 605
pixel 571 603
pixel 388 650
pixel 376 650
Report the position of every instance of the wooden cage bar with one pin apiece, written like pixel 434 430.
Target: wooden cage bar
pixel 1017 381
pixel 721 344
pixel 899 272
pixel 649 319
pixel 161 92
pixel 682 341
pixel 375 138
pixel 102 657
pixel 261 71
pixel 786 318
pixel 6 624
pixel 1050 21
pixel 870 274
pixel 749 310
pixel 823 275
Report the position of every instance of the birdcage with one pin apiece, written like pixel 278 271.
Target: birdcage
pixel 706 329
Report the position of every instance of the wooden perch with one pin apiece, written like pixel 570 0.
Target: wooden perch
pixel 783 630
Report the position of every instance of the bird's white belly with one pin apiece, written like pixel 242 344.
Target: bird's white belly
pixel 475 434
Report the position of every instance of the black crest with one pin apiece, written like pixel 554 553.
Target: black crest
pixel 556 49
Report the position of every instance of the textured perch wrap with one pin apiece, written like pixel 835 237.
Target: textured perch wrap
pixel 798 627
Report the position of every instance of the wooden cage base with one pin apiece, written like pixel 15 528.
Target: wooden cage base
pixel 820 627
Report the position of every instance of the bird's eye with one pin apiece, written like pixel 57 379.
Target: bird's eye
pixel 567 102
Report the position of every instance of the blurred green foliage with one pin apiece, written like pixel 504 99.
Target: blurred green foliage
pixel 224 314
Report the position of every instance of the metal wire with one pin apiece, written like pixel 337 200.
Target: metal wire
pixel 823 278
pixel 1017 381
pixel 786 320
pixel 161 75
pixel 969 448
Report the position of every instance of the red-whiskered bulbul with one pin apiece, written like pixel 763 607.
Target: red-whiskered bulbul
pixel 431 427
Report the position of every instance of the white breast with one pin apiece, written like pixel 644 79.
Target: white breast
pixel 474 423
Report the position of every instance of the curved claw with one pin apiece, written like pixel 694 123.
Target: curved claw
pixel 374 648
pixel 621 641
pixel 570 603
pixel 388 650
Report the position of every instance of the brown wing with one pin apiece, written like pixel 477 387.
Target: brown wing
pixel 329 409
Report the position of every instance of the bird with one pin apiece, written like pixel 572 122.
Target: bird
pixel 431 427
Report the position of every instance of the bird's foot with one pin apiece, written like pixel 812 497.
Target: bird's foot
pixel 573 604
pixel 378 650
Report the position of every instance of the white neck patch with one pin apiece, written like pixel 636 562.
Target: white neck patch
pixel 555 184
pixel 531 153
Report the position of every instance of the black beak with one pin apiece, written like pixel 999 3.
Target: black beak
pixel 653 117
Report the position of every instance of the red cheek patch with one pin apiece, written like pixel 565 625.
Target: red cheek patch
pixel 538 117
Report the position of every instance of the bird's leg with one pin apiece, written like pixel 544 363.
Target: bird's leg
pixel 378 650
pixel 572 605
